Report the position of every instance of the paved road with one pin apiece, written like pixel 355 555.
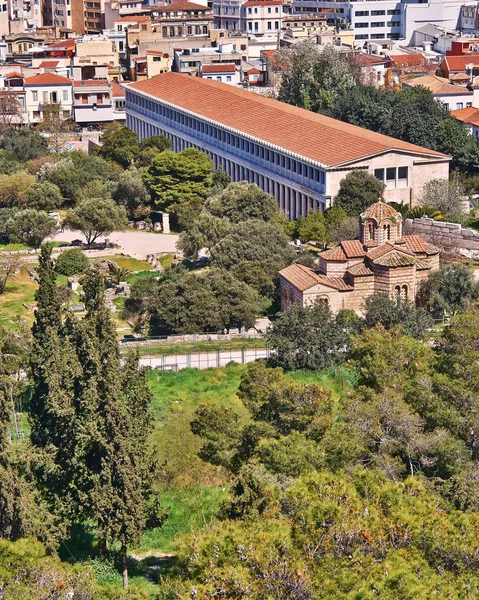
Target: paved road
pixel 204 360
pixel 134 243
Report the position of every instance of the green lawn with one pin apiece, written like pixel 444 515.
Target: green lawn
pixel 192 490
pixel 127 262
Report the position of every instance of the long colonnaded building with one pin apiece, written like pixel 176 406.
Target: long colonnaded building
pixel 296 155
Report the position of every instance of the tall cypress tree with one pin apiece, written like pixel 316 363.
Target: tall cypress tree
pixel 52 412
pixel 116 433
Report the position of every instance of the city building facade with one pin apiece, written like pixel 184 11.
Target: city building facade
pixel 298 156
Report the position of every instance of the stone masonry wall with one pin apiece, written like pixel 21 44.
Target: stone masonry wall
pixel 443 233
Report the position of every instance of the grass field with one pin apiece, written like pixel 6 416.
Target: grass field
pixel 193 490
pixel 127 262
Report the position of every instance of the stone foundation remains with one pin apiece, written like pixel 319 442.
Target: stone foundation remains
pixel 440 233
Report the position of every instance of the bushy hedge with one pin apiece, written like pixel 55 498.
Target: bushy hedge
pixel 71 262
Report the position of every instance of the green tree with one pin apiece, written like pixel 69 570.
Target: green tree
pixel 14 189
pixel 313 228
pixel 31 227
pixel 308 338
pixel 253 241
pixel 96 217
pixel 180 182
pixel 96 188
pixel 205 232
pixel 450 289
pixel 116 426
pixel 445 196
pixel 24 144
pixel 242 201
pixel 131 193
pixel 52 414
pixel 119 144
pixel 389 313
pixel 44 195
pixel 357 191
pixel 71 262
pixel 195 302
pixel 221 180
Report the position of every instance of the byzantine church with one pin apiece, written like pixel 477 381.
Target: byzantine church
pixel 381 261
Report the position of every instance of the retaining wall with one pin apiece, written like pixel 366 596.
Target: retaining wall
pixel 443 233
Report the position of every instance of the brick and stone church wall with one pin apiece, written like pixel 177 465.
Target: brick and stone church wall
pixel 443 233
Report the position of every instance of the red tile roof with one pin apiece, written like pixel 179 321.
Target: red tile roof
pixel 407 60
pixel 439 86
pixel 156 53
pixel 366 60
pixel 459 63
pixel 67 44
pixel 379 211
pixel 353 248
pixel 254 71
pixel 47 79
pixel 415 243
pixel 48 64
pixel 132 19
pixel 222 68
pixel 14 75
pixel 308 134
pixel 116 90
pixel 360 270
pixel 334 254
pixel 468 115
pixel 301 277
pixel 395 258
pixel 337 283
pixel 182 6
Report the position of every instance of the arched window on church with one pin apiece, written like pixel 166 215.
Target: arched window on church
pixel 404 292
pixel 397 290
pixel 370 231
pixel 387 232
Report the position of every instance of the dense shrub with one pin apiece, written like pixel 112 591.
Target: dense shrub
pixel 71 262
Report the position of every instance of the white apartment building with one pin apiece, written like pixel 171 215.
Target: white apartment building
pixel 262 16
pixel 252 17
pixel 387 19
pixel 377 20
pixel 46 89
pixel 225 73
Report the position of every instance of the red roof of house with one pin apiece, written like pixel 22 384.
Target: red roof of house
pixel 468 115
pixel 459 63
pixel 67 44
pixel 14 75
pixel 48 64
pixel 322 139
pixel 133 19
pixel 47 79
pixel 366 60
pixel 181 6
pixel 116 90
pixel 222 68
pixel 407 60
pixel 156 53
pixel 254 71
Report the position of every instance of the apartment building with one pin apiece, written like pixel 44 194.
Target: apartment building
pixel 377 20
pixel 262 16
pixel 225 73
pixel 183 19
pixel 98 101
pixel 298 156
pixel 45 89
pixel 190 60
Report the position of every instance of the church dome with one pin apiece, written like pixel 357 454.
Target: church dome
pixel 379 211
